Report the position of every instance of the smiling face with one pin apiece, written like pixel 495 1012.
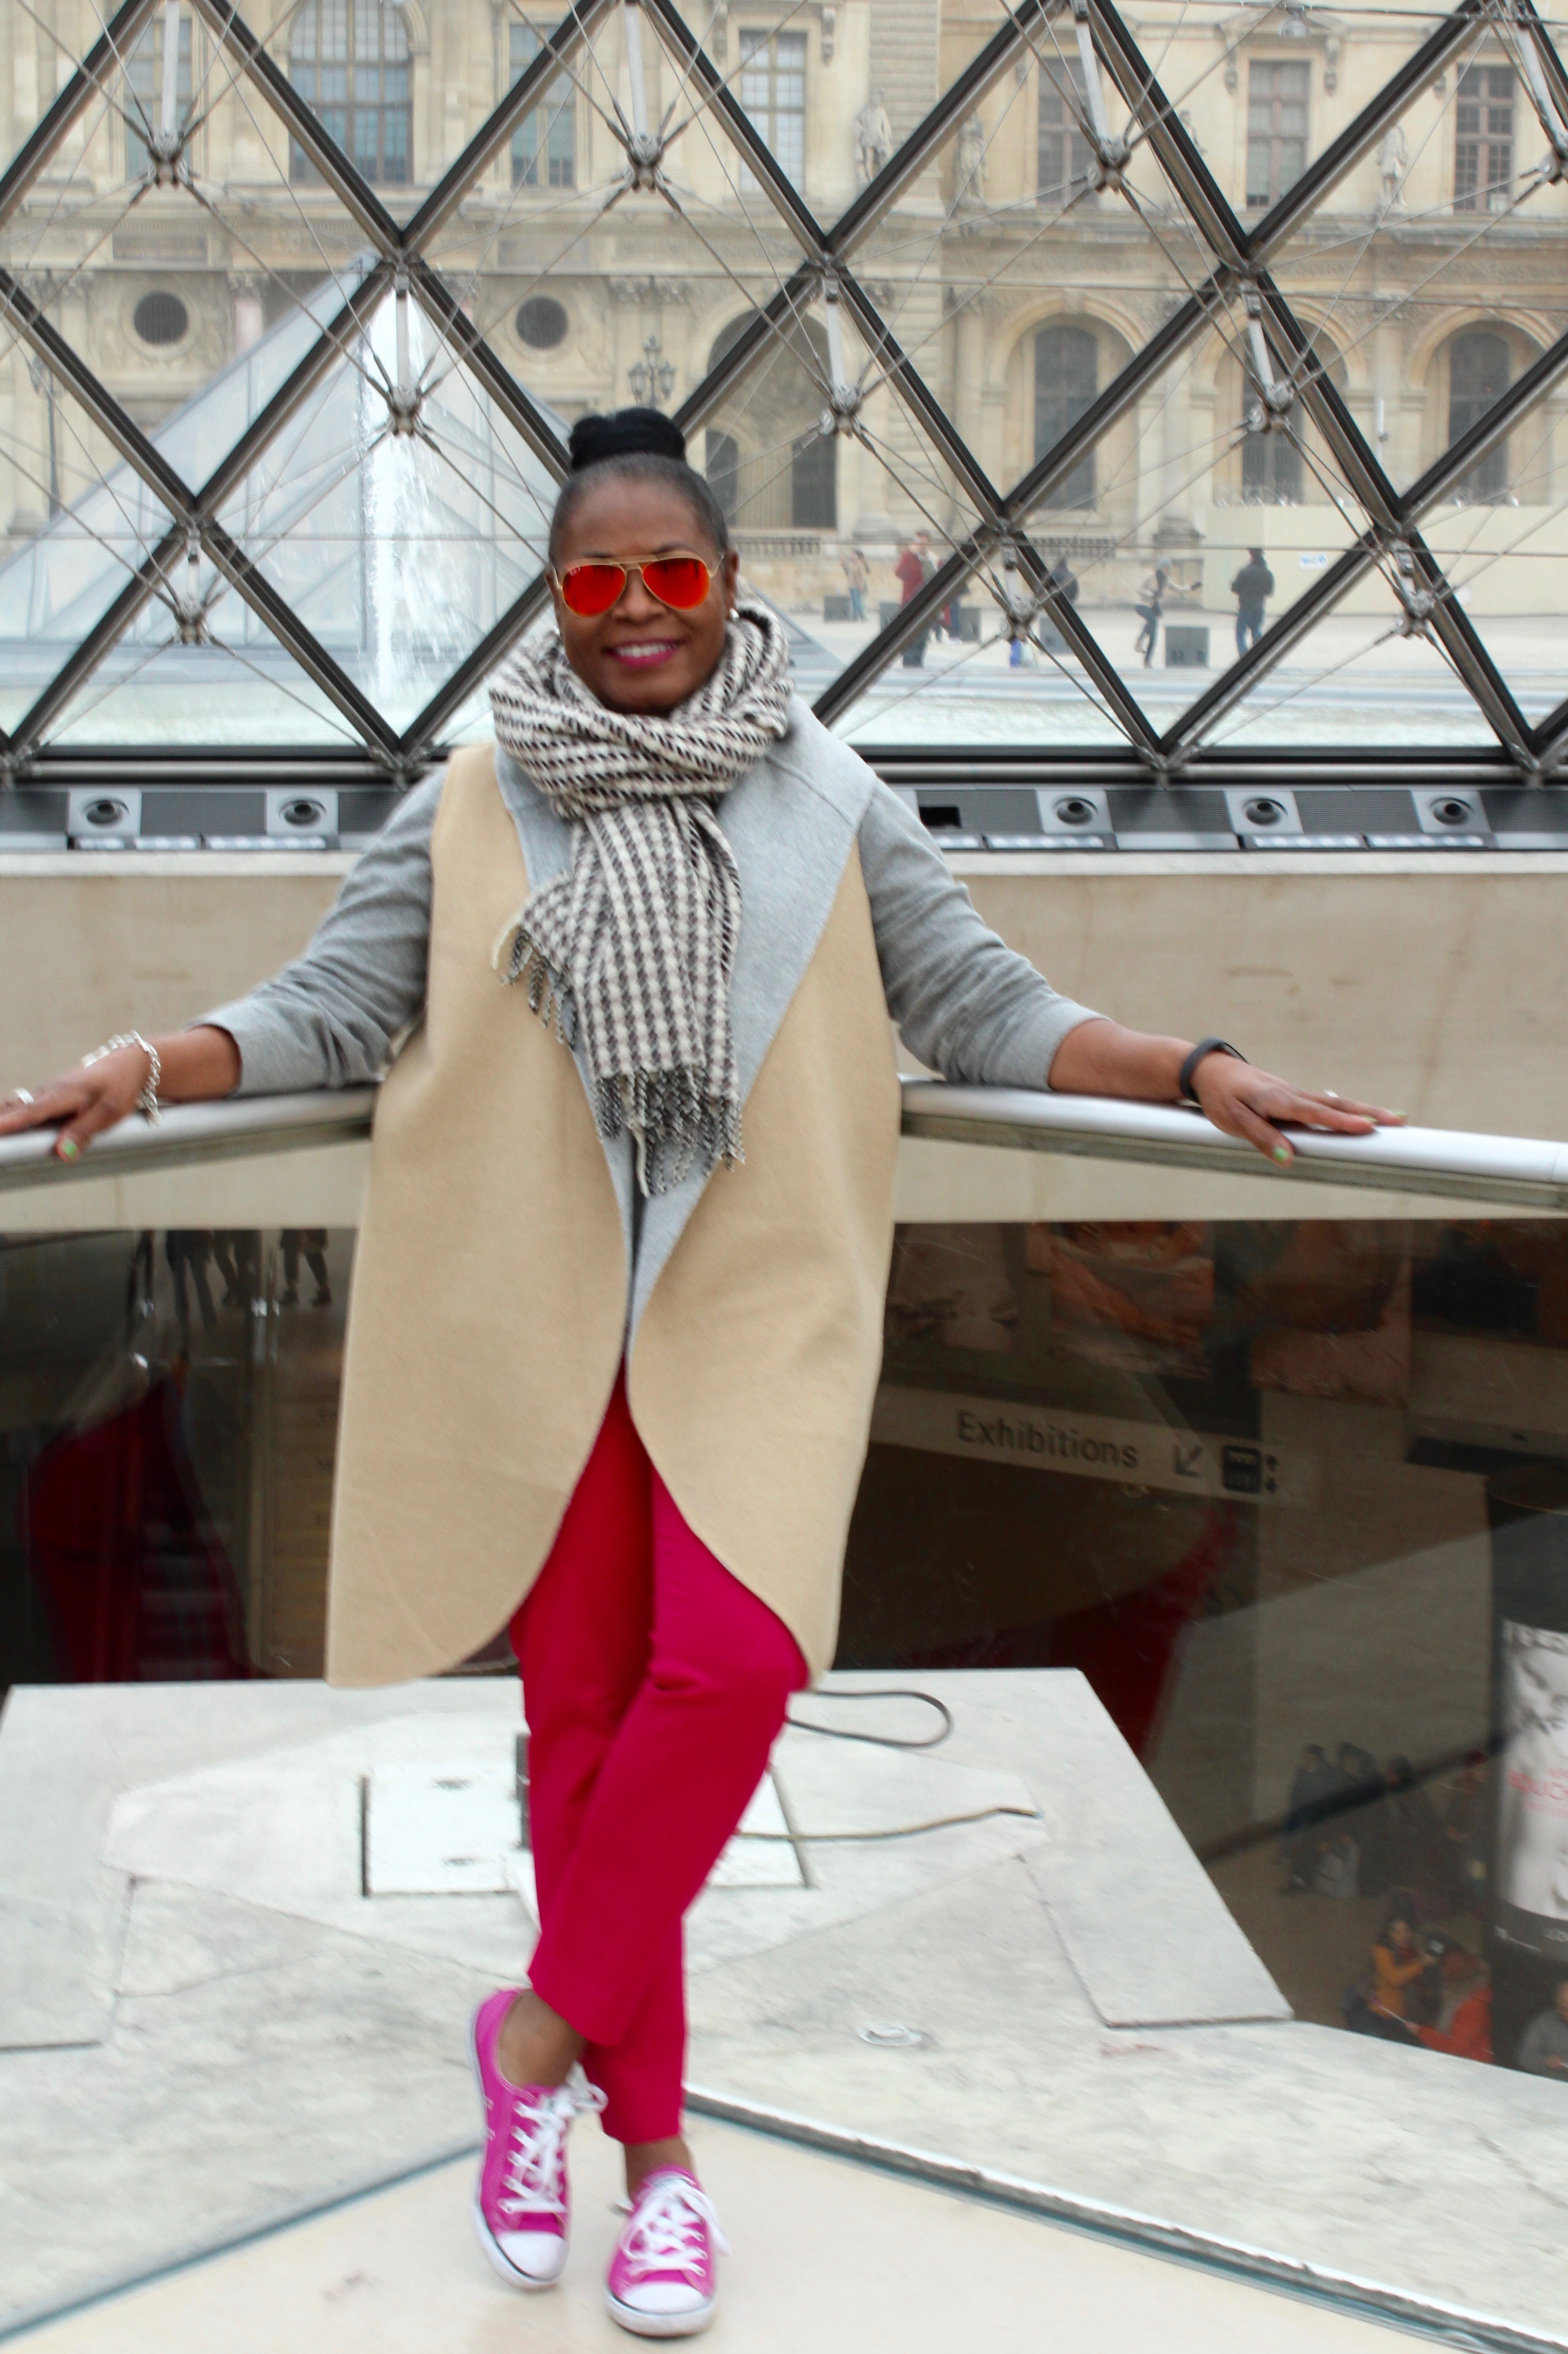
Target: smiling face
pixel 641 656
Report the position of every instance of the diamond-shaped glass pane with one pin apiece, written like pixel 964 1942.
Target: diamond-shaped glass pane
pixel 398 548
pixel 836 528
pixel 1502 542
pixel 1433 268
pixel 82 525
pixel 593 289
pixel 38 62
pixel 1358 680
pixel 198 666
pixel 1200 517
pixel 387 85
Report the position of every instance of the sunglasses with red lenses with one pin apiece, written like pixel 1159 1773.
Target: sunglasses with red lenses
pixel 682 582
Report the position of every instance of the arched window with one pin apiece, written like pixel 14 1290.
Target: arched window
pixel 349 60
pixel 1271 469
pixel 1478 373
pixel 814 484
pixel 1067 378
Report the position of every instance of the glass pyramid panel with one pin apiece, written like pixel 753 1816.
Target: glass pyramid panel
pixel 1194 520
pixel 1433 270
pixel 595 291
pixel 387 85
pixel 237 686
pixel 1007 254
pixel 834 528
pixel 1502 542
pixel 223 278
pixel 398 550
pixel 81 523
pixel 1357 683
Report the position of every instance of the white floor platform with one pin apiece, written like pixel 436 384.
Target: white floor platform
pixel 827 2256
pixel 207 2026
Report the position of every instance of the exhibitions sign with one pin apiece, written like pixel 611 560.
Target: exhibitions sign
pixel 1092 1446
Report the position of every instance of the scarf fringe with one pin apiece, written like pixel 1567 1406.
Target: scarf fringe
pixel 673 1116
pixel 515 956
pixel 675 1121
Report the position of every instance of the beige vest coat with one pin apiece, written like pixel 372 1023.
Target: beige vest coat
pixel 491 1306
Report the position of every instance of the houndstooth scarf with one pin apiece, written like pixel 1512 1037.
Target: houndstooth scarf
pixel 636 946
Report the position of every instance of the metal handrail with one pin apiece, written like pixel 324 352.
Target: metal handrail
pixel 188 1134
pixel 1523 1173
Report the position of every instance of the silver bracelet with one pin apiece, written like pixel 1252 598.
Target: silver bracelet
pixel 147 1101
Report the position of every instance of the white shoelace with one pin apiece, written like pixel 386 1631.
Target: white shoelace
pixel 531 2184
pixel 665 2231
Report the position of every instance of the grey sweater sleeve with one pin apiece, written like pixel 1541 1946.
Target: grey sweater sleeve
pixel 964 1002
pixel 329 1019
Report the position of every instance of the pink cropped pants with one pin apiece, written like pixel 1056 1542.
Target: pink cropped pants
pixel 654 1685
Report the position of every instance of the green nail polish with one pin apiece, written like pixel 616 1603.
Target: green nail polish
pixel 1282 1152
pixel 69 1149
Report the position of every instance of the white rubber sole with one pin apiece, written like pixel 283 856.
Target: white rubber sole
pixel 660 2324
pixel 497 2254
pixel 501 2260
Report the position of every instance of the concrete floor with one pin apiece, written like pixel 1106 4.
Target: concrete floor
pixel 828 2255
pixel 209 2033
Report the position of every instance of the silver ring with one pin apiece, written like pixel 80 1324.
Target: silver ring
pixel 22 1094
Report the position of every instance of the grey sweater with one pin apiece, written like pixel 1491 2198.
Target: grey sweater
pixel 965 1003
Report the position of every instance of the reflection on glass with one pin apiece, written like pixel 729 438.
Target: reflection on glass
pixel 171 1411
pixel 1293 1496
pixel 1265 1485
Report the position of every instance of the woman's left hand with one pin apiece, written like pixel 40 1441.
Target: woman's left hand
pixel 1241 1100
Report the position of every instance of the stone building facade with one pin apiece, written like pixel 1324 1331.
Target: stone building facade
pixel 1430 278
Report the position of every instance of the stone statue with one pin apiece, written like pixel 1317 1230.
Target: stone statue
pixel 971 167
pixel 1392 163
pixel 873 137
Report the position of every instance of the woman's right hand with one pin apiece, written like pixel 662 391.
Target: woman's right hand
pixel 82 1102
pixel 199 1065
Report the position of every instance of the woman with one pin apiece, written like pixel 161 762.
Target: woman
pixel 617 1312
pixel 1397 1964
pixel 1151 593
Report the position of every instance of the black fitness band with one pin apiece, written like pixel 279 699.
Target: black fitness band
pixel 1204 1046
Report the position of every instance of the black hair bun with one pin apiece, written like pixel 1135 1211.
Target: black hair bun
pixel 630 431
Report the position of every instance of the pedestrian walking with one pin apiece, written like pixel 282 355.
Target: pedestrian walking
pixel 1150 605
pixel 1252 587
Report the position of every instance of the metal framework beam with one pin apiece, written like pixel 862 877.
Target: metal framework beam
pixel 1402 520
pixel 185 508
pixel 456 328
pixel 704 76
pixel 425 729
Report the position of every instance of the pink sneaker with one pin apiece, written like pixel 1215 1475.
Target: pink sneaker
pixel 521 2205
pixel 661 2279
